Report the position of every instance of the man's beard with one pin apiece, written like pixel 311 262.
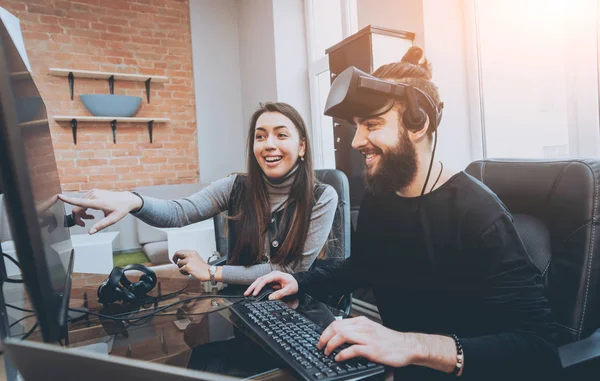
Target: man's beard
pixel 395 169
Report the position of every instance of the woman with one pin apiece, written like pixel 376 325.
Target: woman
pixel 279 217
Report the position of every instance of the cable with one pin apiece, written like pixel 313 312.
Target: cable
pixel 120 317
pixel 439 176
pixel 160 309
pixel 131 323
pixel 37 323
pixel 430 163
pixel 12 260
pixel 137 323
pixel 21 319
pixel 134 320
pixel 143 320
pixel 9 280
pixel 153 299
pixel 18 308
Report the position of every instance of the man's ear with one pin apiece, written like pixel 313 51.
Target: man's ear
pixel 417 136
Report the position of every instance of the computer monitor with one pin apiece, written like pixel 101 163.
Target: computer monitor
pixel 53 362
pixel 30 184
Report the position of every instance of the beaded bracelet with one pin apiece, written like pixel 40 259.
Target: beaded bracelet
pixel 459 354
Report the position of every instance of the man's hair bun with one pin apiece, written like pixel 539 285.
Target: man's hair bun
pixel 415 56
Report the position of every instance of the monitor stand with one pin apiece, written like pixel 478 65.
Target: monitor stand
pixel 82 313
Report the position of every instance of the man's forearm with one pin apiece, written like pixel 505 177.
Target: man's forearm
pixel 436 352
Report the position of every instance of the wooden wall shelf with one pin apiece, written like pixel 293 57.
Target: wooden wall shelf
pixel 71 74
pixel 107 75
pixel 20 75
pixel 62 118
pixel 34 123
pixel 113 123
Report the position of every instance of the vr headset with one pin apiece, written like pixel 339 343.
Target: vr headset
pixel 355 93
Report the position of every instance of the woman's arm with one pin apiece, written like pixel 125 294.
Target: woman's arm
pixel 321 220
pixel 187 210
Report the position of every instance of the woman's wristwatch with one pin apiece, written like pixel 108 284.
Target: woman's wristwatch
pixel 212 271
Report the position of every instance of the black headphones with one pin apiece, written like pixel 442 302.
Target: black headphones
pixel 118 288
pixel 420 105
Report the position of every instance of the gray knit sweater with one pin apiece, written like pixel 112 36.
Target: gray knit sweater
pixel 215 197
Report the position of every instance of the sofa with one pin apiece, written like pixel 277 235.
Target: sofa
pixel 153 240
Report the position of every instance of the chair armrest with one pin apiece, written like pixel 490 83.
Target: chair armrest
pixel 344 304
pixel 582 351
pixel 219 262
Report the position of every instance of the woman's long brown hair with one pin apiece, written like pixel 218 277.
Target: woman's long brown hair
pixel 255 211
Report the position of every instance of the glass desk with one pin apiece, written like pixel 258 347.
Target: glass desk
pixel 178 330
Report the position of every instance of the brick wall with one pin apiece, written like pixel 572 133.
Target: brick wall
pixel 150 37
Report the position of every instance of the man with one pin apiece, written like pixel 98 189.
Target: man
pixel 456 290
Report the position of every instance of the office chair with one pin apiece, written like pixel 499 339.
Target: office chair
pixel 338 245
pixel 556 208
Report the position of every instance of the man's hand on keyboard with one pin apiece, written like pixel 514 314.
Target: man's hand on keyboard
pixel 285 282
pixel 365 338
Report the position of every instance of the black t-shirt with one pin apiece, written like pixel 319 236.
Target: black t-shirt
pixel 447 262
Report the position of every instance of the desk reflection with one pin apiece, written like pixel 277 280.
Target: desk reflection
pixel 179 330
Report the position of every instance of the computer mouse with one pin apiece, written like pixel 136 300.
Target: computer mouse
pixel 262 295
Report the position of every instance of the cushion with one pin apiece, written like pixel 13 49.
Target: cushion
pixel 536 237
pixel 157 252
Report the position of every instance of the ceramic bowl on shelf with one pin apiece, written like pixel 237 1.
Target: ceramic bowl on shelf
pixel 111 104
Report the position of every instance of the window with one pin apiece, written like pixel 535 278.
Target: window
pixel 327 23
pixel 537 77
pixel 325 122
pixel 327 26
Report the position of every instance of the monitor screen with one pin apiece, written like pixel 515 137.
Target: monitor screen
pixel 30 183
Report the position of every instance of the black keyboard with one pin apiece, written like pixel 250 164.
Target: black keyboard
pixel 293 338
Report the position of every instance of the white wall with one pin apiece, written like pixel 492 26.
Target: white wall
pixel 444 39
pixel 257 55
pixel 291 55
pixel 404 15
pixel 244 52
pixel 221 131
pixel 439 29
